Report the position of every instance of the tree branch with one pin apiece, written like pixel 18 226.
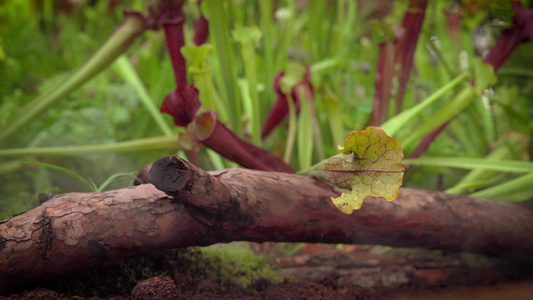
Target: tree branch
pixel 75 231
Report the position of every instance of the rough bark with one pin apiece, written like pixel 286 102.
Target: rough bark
pixel 391 271
pixel 74 231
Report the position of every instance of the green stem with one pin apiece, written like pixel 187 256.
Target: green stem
pixel 115 45
pixel 86 182
pixel 317 133
pixel 10 166
pixel 396 123
pixel 305 131
pixel 346 25
pixel 291 131
pixel 461 130
pixel 267 28
pixel 502 191
pixel 247 36
pixel 126 71
pixel 515 72
pixel 208 94
pixel 446 113
pixel 434 45
pixel 218 28
pixel 202 76
pixel 161 143
pixel 246 98
pixel 474 177
pixel 282 50
pixel 250 69
pixel 215 159
pixel 317 8
pixel 472 163
pixel 335 116
pixel 113 177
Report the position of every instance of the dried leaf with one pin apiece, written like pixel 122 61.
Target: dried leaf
pixel 369 165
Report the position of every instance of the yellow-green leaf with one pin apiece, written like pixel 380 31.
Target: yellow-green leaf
pixel 369 165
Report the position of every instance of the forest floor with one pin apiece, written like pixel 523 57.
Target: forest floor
pixel 315 271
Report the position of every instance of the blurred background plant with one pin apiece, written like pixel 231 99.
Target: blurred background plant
pixel 333 66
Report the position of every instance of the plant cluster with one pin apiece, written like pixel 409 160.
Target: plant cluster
pixel 270 85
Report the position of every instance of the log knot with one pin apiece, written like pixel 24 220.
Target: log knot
pixel 185 182
pixel 171 175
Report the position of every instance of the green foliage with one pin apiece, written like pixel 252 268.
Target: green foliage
pixel 103 111
pixel 247 36
pixel 217 12
pixel 116 110
pixel 396 123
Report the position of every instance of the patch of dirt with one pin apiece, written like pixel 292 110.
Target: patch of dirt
pixel 182 287
pixel 349 272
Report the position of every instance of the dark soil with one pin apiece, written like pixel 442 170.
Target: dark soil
pixel 164 287
pixel 183 287
pixel 314 272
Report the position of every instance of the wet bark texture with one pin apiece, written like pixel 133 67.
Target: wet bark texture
pixel 75 231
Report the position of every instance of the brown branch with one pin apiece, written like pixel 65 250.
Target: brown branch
pixel 72 232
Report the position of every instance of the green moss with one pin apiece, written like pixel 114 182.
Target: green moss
pixel 229 267
pixel 475 261
pixel 235 265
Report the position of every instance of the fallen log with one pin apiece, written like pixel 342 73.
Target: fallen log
pixel 75 231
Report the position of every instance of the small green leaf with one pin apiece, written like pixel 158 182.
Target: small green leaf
pixel 246 34
pixel 294 73
pixel 369 165
pixel 196 57
pixel 484 74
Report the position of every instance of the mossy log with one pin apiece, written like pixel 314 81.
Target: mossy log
pixel 187 206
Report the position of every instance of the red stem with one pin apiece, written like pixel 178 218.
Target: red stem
pixel 427 140
pixel 406 46
pixel 175 40
pixel 280 109
pixel 219 138
pixel 383 82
